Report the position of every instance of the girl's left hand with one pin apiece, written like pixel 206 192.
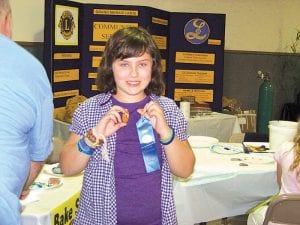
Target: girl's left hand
pixel 154 113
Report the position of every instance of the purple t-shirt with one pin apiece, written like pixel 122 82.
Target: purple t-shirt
pixel 97 204
pixel 138 193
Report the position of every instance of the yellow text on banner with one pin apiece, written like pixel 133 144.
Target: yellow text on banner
pixel 92 75
pixel 62 94
pixel 94 87
pixel 67 55
pixel 163 65
pixel 214 42
pixel 96 48
pixel 65 75
pixel 195 58
pixel 194 76
pixel 161 41
pixel 96 61
pixel 65 213
pixel 159 21
pixel 116 12
pixel 103 30
pixel 201 95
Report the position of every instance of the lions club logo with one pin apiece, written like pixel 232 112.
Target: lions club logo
pixel 66 25
pixel 196 31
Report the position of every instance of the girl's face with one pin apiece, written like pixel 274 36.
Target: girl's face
pixel 132 76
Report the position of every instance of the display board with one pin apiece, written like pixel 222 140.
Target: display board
pixel 76 33
pixel 196 57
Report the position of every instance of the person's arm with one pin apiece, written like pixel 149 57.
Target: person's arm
pixel 279 173
pixel 180 157
pixel 40 142
pixel 71 160
pixel 35 169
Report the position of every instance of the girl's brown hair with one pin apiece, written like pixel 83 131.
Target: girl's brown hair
pixel 125 43
pixel 296 161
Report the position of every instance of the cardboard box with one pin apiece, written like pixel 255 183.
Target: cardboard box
pixel 247 121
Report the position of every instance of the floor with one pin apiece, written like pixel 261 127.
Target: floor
pixel 237 220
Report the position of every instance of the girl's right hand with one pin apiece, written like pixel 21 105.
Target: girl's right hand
pixel 111 121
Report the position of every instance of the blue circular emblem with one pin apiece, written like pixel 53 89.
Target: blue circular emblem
pixel 196 31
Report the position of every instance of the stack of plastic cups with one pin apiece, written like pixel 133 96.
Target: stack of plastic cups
pixel 281 131
pixel 185 108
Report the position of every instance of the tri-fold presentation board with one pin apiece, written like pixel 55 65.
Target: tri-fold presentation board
pixel 191 45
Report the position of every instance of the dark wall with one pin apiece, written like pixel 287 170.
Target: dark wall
pixel 240 71
pixel 35 48
pixel 240 82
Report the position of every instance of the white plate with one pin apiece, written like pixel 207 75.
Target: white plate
pixel 258 159
pixel 43 184
pixel 226 149
pixel 202 141
pixel 53 170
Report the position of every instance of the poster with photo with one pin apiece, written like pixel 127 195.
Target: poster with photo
pixel 66 25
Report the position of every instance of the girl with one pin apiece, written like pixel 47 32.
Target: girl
pixel 288 174
pixel 128 139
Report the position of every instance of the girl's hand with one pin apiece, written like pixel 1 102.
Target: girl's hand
pixel 154 113
pixel 111 121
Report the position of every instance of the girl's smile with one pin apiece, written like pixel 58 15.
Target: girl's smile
pixel 132 76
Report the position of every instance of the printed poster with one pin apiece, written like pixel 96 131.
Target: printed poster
pixel 66 25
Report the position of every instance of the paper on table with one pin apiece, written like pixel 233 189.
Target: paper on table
pixel 30 198
pixel 202 141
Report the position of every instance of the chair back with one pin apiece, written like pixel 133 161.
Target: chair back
pixel 285 209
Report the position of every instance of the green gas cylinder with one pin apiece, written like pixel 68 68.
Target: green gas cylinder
pixel 265 103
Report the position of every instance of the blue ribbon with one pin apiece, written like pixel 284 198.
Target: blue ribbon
pixel 148 146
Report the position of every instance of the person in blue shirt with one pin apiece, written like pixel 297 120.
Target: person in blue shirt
pixel 26 120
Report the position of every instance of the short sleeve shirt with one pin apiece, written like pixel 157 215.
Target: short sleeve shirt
pixel 285 157
pixel 26 118
pixel 98 199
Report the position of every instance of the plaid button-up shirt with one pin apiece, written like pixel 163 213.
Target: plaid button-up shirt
pixel 98 198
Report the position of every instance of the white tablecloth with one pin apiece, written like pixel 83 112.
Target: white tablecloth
pixel 218 188
pixel 218 125
pixel 61 129
pixel 221 188
pixel 63 200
